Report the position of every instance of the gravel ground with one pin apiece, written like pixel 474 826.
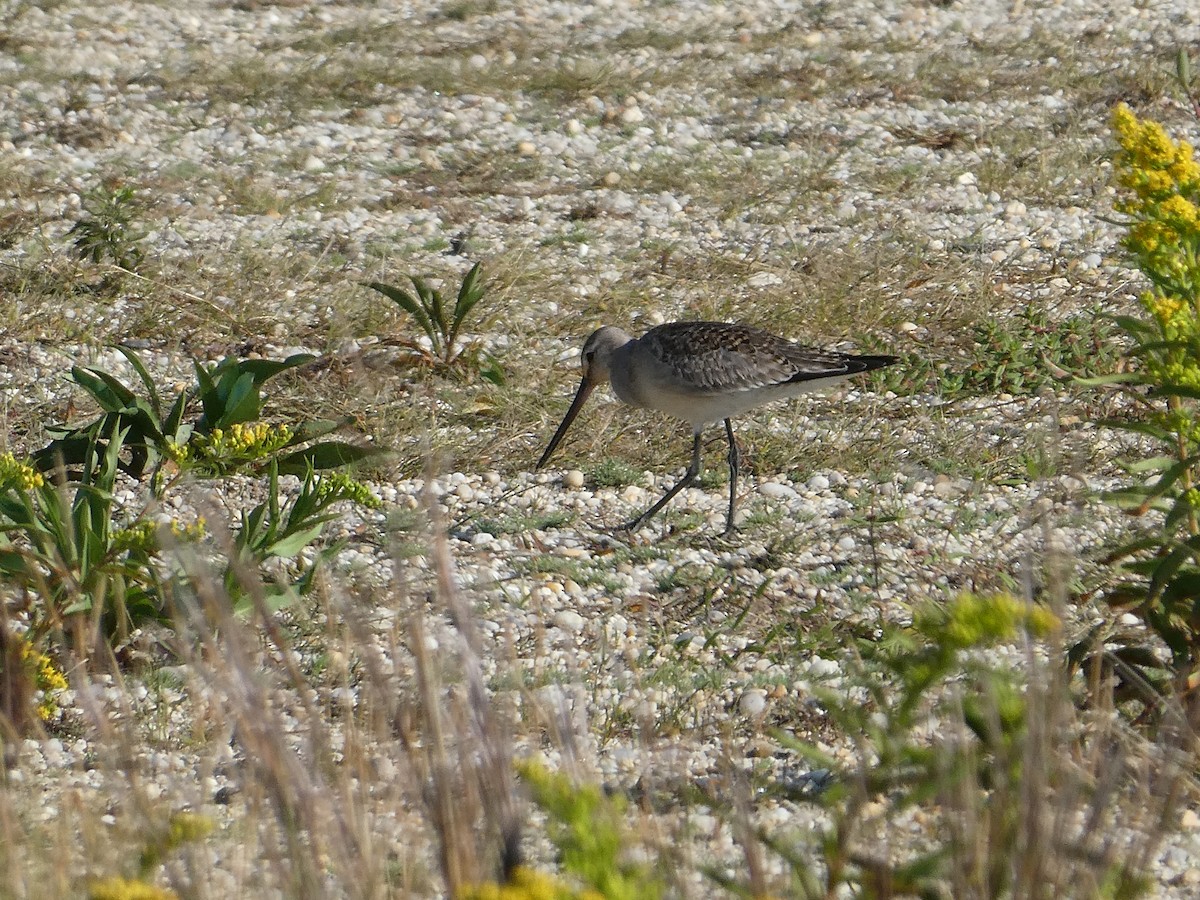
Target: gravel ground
pixel 619 161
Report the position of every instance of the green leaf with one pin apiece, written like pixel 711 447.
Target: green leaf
pixel 327 455
pixel 142 372
pixel 469 294
pixel 1154 464
pixel 235 400
pixel 409 304
pixel 1167 568
pixel 264 369
pixel 312 429
pixel 1114 378
pixel 289 546
pixel 107 391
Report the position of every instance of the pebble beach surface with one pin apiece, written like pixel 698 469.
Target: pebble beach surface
pixel 606 161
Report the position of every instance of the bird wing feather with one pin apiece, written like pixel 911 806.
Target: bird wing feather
pixel 718 357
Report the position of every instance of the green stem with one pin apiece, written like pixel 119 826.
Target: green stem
pixel 1181 449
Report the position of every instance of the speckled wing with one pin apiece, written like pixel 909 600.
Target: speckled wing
pixel 717 357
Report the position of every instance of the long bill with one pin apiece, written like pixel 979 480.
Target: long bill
pixel 585 390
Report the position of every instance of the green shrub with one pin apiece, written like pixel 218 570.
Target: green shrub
pixel 1160 182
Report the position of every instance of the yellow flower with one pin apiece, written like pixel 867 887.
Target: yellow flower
pixel 48 677
pixel 971 620
pixel 1125 124
pixel 527 884
pixel 14 473
pixel 192 532
pixel 1184 168
pixel 1178 211
pixel 117 888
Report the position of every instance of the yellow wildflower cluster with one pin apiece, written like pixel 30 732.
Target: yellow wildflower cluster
pixel 972 620
pixel 528 884
pixel 187 827
pixel 189 533
pixel 1152 165
pixel 21 475
pixel 140 537
pixel 1162 179
pixel 117 888
pixel 48 677
pixel 242 441
pixel 347 489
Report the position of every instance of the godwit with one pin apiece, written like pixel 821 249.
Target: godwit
pixel 703 372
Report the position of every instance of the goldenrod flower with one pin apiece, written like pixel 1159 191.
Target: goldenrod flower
pixel 48 677
pixel 117 888
pixel 17 474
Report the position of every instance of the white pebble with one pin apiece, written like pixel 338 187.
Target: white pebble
pixel 569 620
pixel 753 703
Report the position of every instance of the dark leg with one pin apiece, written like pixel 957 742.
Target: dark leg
pixel 688 477
pixel 734 460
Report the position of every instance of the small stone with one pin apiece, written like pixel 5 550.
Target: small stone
pixel 313 164
pixel 967 179
pixel 845 543
pixel 527 148
pixel 632 115
pixel 569 620
pixel 1014 209
pixel 764 279
pixel 477 61
pixel 573 479
pixel 909 327
pixel 753 703
pixel 1189 821
pixel 818 482
pixel 777 491
pixel 612 179
pixel 574 126
pixel 632 494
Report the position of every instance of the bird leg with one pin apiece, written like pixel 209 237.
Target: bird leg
pixel 688 477
pixel 734 460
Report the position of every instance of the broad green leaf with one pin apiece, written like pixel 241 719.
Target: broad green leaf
pixel 111 397
pixel 1114 378
pixel 1153 464
pixel 326 455
pixel 410 305
pixel 314 428
pixel 289 546
pixel 263 370
pixel 143 374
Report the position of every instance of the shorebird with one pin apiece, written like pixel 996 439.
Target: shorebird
pixel 703 373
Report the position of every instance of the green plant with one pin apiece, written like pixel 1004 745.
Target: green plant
pixel 1022 354
pixel 585 826
pixel 1160 179
pixel 215 442
pixel 107 230
pixel 280 529
pixel 181 829
pixel 940 729
pixel 63 544
pixel 613 472
pixel 441 323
